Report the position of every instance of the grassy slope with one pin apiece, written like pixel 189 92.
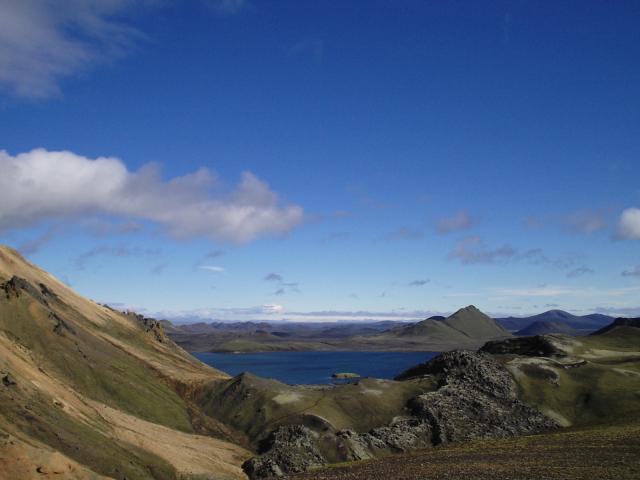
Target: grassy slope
pixel 256 405
pixel 603 391
pixel 64 377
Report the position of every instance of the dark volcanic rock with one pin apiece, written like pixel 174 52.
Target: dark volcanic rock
pixel 476 399
pixel 61 326
pixel 150 325
pixel 537 346
pixel 289 449
pixel 17 285
pixel 7 380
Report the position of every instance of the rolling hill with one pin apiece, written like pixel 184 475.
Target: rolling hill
pixel 467 325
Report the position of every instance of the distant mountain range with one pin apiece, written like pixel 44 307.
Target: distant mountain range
pixel 555 321
pixel 466 328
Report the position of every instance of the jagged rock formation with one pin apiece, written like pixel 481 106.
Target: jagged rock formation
pixel 289 449
pixel 476 398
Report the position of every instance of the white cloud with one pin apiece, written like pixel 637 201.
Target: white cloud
pixel 42 42
pixel 40 185
pixel 629 224
pixel 212 268
pixel 460 221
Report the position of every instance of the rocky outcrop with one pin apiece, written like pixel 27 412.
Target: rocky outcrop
pixel 536 346
pixel 476 399
pixel 150 325
pixel 7 380
pixel 289 449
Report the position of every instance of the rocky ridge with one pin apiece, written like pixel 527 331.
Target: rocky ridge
pixel 476 398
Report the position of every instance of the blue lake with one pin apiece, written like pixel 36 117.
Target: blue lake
pixel 314 367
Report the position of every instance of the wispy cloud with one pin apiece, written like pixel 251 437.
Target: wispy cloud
pixel 404 233
pixel 472 250
pixel 43 42
pixel 42 185
pixel 159 269
pixel 419 283
pixel 458 222
pixel 283 286
pixel 634 272
pixel 35 244
pixel 563 291
pixel 103 228
pixel 623 311
pixel 629 225
pixel 81 261
pixel 273 277
pixel 586 221
pixel 212 268
pixel 579 271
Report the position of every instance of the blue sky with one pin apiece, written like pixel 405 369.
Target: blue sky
pixel 242 159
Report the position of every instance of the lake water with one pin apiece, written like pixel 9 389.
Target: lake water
pixel 314 367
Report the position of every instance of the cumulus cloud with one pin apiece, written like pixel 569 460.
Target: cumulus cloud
pixel 42 42
pixel 460 221
pixel 634 272
pixel 42 185
pixel 629 225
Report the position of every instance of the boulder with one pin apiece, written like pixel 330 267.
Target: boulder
pixel 288 449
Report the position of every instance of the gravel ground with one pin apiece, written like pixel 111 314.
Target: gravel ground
pixel 602 453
